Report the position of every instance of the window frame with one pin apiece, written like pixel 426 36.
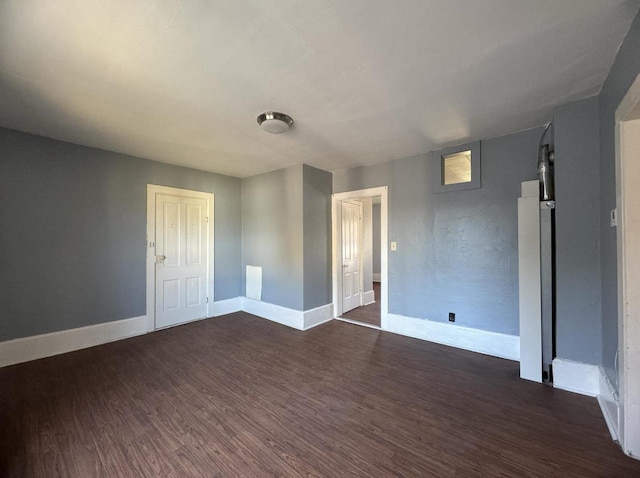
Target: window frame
pixel 475 183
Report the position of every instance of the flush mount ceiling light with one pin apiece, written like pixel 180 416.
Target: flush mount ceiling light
pixel 273 122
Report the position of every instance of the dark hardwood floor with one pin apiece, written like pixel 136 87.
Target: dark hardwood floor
pixel 369 314
pixel 241 396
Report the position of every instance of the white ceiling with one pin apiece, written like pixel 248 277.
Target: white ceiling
pixel 366 81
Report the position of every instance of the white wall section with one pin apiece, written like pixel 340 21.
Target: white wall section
pixel 529 283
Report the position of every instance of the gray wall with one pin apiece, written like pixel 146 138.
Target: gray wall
pixel 623 72
pixel 317 237
pixel 577 178
pixel 286 220
pixel 73 232
pixel 272 234
pixel 457 251
pixel 376 238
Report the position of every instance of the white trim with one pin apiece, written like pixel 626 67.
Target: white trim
pixel 476 340
pixel 276 313
pixel 577 377
pixel 297 319
pixel 317 316
pixel 377 277
pixel 355 322
pixel 46 345
pixel 628 299
pixel 368 297
pixel 228 306
pixel 336 271
pixel 608 401
pixel 152 191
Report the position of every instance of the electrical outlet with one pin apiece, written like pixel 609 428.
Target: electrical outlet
pixel 394 246
pixel 452 317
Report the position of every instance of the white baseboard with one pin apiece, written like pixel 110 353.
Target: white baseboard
pixel 377 277
pixel 45 345
pixel 317 316
pixel 476 340
pixel 368 297
pixel 276 313
pixel 228 306
pixel 608 401
pixel 298 319
pixel 577 377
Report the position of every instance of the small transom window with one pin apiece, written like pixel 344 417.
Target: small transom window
pixel 458 168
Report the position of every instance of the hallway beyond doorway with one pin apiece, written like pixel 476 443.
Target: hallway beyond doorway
pixel 368 314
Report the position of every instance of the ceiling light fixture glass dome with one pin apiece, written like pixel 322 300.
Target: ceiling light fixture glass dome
pixel 274 122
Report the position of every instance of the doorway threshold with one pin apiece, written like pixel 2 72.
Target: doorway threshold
pixel 355 322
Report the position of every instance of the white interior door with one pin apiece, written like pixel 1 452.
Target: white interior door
pixel 351 255
pixel 181 259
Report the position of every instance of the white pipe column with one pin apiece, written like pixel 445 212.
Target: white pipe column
pixel 529 278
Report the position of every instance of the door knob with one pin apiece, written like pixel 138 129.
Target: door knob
pixel 160 259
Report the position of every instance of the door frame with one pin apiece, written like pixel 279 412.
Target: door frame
pixel 360 249
pixel 628 337
pixel 152 191
pixel 336 232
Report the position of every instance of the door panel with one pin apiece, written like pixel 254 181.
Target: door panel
pixel 181 256
pixel 194 234
pixel 171 295
pixel 351 219
pixel 171 234
pixel 193 292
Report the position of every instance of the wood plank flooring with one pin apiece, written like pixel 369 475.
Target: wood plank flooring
pixel 241 396
pixel 369 314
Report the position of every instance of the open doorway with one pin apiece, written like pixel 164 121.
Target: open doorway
pixel 364 307
pixel 360 261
